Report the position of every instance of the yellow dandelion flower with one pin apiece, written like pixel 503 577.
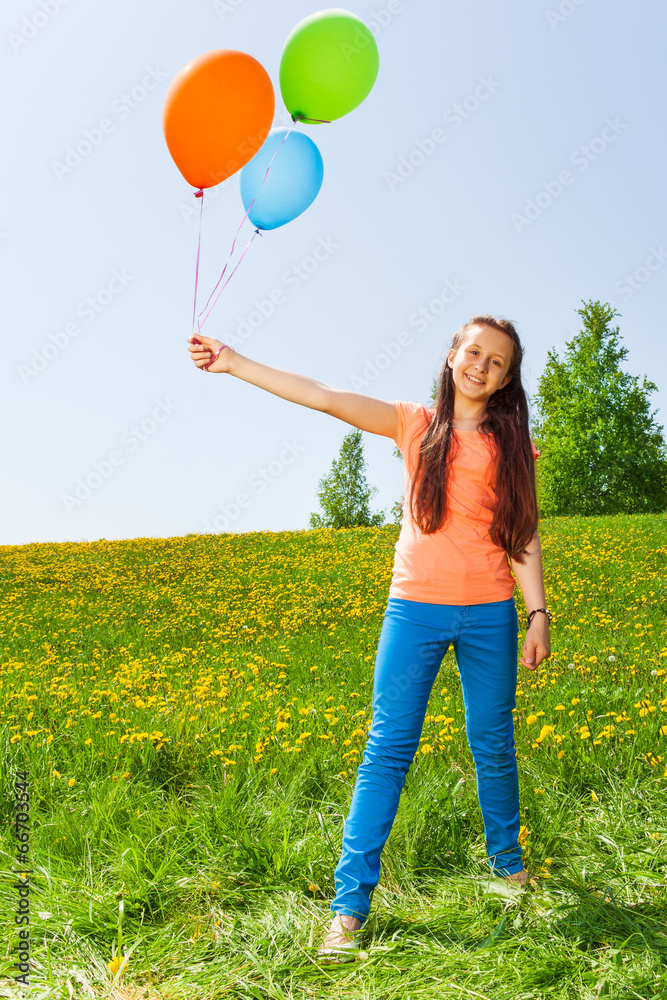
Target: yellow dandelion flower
pixel 71 782
pixel 117 963
pixel 531 719
pixel 427 748
pixel 594 797
pixel 56 774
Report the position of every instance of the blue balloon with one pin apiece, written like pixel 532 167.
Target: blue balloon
pixel 293 183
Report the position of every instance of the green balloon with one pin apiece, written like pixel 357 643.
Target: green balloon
pixel 328 67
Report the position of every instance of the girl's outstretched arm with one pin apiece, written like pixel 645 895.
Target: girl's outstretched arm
pixel 530 577
pixel 365 412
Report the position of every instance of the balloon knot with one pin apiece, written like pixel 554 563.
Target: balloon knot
pixel 200 193
pixel 302 118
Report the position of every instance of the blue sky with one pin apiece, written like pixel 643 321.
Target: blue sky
pixel 422 220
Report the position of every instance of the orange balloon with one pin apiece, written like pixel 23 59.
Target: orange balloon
pixel 217 113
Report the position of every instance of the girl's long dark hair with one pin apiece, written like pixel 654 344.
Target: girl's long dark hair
pixel 515 515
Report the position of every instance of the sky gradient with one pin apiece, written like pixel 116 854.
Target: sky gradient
pixel 510 159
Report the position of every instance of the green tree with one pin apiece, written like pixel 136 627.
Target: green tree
pixel 344 493
pixel 600 450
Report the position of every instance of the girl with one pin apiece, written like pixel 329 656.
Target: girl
pixel 470 506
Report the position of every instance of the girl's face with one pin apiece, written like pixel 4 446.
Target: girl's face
pixel 481 362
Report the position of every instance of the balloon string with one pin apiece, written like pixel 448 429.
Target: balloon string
pixel 230 276
pixel 231 252
pixel 198 194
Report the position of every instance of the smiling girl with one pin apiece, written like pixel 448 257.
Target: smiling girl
pixel 469 522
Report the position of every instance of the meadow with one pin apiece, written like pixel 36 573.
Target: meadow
pixel 190 713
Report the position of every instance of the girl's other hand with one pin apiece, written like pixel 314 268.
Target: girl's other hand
pixel 202 350
pixel 537 644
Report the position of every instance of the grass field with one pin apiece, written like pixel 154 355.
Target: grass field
pixel 190 713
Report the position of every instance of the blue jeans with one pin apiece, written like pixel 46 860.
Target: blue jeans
pixel 414 638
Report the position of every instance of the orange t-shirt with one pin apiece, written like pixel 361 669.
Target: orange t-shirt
pixel 458 563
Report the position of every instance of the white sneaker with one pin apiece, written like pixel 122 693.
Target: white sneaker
pixel 342 944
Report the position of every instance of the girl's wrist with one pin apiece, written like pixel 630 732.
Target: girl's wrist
pixel 541 624
pixel 233 360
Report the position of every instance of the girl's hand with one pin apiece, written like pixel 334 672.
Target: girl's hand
pixel 202 350
pixel 537 644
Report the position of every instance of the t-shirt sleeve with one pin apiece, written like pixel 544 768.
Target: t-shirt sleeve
pixel 536 453
pixel 411 417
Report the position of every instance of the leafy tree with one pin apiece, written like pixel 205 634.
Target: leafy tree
pixel 344 493
pixel 600 450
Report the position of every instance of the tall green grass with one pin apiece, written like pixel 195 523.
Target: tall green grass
pixel 179 817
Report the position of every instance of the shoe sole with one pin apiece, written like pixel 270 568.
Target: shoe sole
pixel 340 954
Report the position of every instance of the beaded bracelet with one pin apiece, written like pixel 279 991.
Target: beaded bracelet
pixel 546 611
